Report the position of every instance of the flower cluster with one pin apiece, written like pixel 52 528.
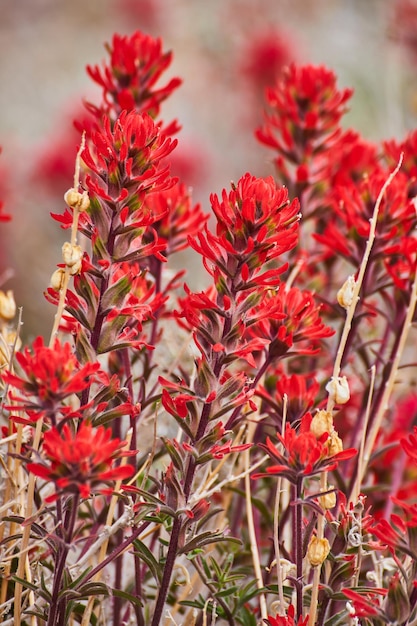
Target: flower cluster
pixel 78 462
pixel 240 452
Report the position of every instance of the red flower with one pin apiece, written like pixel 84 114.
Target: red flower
pixel 303 454
pixel 179 218
pixel 125 155
pixel 353 204
pixel 128 82
pixel 49 375
pixel 287 620
pixel 306 110
pixel 256 223
pixel 366 604
pixel 301 391
pixel 405 25
pixel 267 55
pixel 78 462
pixel 300 323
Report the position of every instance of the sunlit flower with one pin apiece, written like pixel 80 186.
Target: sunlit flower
pixel 256 223
pixel 49 375
pixel 79 462
pixel 302 454
pixel 129 80
pixel 305 111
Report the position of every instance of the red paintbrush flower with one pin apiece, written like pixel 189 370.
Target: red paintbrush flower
pixel 299 328
pixel 79 462
pixel 287 620
pixel 128 81
pixel 306 108
pixel 179 218
pixel 127 155
pixel 49 376
pixel 303 454
pixel 256 223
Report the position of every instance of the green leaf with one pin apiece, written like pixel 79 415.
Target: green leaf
pixel 146 555
pixel 127 596
pixel 205 539
pixel 224 593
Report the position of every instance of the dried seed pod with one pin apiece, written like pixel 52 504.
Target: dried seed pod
pixel 345 293
pixel 7 305
pixel 334 444
pixel 328 500
pixel 57 279
pixel 317 551
pixel 71 255
pixel 338 390
pixel 77 200
pixel 321 423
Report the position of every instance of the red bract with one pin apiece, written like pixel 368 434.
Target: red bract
pixel 353 205
pixel 287 620
pixel 78 462
pixel 256 223
pixel 128 82
pixel 366 603
pixel 301 391
pixel 179 218
pixel 303 454
pixel 301 327
pixel 50 375
pixel 306 108
pixel 125 155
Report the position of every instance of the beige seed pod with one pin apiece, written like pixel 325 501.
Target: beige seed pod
pixel 338 390
pixel 71 255
pixel 334 444
pixel 7 305
pixel 76 268
pixel 57 279
pixel 328 500
pixel 317 551
pixel 345 293
pixel 7 341
pixel 75 199
pixel 321 423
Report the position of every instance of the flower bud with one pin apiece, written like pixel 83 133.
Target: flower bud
pixel 57 279
pixel 338 389
pixel 328 500
pixel 317 551
pixel 321 423
pixel 334 444
pixel 7 305
pixel 345 293
pixel 75 199
pixel 71 255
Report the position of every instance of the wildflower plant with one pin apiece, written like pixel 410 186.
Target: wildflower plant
pixel 241 454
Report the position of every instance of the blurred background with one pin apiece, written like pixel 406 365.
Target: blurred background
pixel 226 52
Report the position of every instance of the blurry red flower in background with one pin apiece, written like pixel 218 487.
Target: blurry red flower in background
pixel 265 57
pixel 78 462
pixel 404 26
